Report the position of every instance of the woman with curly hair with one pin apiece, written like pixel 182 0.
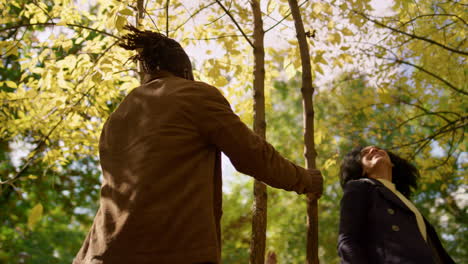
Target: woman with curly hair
pixel 378 222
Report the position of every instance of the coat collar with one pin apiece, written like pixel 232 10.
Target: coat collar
pixel 155 75
pixel 388 194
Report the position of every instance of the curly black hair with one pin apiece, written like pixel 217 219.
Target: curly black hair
pixel 157 52
pixel 404 174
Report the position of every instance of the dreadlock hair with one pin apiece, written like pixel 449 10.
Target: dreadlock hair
pixel 157 52
pixel 404 174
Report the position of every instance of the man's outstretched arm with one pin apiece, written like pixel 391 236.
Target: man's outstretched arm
pixel 249 153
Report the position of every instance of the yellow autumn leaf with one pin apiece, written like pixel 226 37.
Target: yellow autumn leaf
pixel 11 84
pixel 284 9
pixel 385 96
pixel 337 62
pixel 35 215
pixel 62 23
pixel 319 59
pixel 67 45
pixel 347 32
pixel 120 22
pixel 346 58
pixel 318 137
pixel 97 77
pixel 334 38
pixel 271 6
pixel 12 50
pixel 126 12
pixel 329 163
pixel 220 81
pixel 318 69
pixel 317 8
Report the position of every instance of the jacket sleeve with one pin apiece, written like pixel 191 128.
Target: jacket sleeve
pixel 353 222
pixel 249 153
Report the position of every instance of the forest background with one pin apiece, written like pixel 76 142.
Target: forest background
pixel 395 77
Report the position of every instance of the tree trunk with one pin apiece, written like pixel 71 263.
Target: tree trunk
pixel 139 17
pixel 257 246
pixel 309 149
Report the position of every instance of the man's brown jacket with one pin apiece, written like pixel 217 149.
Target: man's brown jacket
pixel 161 190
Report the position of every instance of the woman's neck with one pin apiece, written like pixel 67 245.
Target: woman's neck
pixel 381 172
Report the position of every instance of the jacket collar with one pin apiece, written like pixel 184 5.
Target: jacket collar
pixel 388 194
pixel 155 75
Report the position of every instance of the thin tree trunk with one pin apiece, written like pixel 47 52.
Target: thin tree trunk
pixel 259 221
pixel 309 149
pixel 139 17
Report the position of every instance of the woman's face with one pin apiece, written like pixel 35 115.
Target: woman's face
pixel 373 157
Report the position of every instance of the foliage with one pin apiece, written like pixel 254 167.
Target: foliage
pixel 401 85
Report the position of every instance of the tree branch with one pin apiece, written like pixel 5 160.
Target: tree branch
pixel 32 155
pixel 447 128
pixel 411 35
pixel 55 24
pixel 433 75
pixel 427 112
pixel 215 38
pixel 235 23
pixel 397 60
pixel 432 15
pixel 193 15
pixel 286 16
pixel 167 18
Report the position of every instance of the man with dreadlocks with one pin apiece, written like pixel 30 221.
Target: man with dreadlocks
pixel 160 153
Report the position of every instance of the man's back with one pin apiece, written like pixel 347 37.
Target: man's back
pixel 157 199
pixel 160 156
pixel 161 193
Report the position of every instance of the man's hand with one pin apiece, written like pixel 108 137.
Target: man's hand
pixel 316 184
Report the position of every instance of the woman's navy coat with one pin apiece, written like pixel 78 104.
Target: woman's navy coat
pixel 377 227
